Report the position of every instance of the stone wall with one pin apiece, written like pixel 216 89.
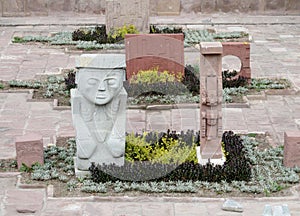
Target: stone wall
pixel 241 6
pixel 46 7
pixel 157 7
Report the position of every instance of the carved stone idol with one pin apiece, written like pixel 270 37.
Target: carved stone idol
pixel 211 100
pixel 99 110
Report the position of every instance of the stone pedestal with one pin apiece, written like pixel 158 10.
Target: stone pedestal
pixel 291 149
pixel 29 150
pixel 120 13
pixel 211 100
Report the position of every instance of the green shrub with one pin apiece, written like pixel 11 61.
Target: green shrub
pixel 97 34
pixel 230 81
pixel 159 88
pixel 236 167
pixel 260 84
pixel 70 80
pixel 118 34
pixel 1 86
pixel 18 40
pixel 154 29
pixel 154 76
pixel 160 148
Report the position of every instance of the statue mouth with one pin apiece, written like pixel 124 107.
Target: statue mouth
pixel 101 96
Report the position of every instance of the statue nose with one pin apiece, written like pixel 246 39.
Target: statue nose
pixel 102 86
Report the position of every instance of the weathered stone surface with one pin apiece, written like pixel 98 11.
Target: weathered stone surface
pixel 232 205
pixel 120 13
pixel 168 7
pixel 211 100
pixel 274 5
pixel 242 51
pixel 63 5
pixel 293 5
pixel 99 110
pixel 152 7
pixel 291 148
pixel 227 5
pixel 190 6
pixel 208 6
pixel 24 201
pixel 13 7
pixel 37 7
pixel 249 6
pixel 95 6
pixel 148 51
pixel 29 149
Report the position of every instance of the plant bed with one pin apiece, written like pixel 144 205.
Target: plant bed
pixel 154 88
pixel 268 176
pixel 94 38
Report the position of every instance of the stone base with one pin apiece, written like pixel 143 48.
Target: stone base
pixel 202 161
pixel 80 173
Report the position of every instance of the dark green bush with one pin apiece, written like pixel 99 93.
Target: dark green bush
pixel 70 80
pixel 91 34
pixel 165 29
pixel 236 168
pixel 230 82
pixel 159 88
pixel 190 80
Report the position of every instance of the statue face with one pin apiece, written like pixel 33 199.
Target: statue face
pixel 100 87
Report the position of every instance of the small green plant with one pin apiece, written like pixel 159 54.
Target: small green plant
pixel 261 84
pixel 118 34
pixel 18 40
pixel 154 76
pixel 1 86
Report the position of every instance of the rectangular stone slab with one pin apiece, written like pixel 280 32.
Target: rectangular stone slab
pixel 29 150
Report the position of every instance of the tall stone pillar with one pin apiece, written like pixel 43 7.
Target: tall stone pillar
pixel 119 13
pixel 211 102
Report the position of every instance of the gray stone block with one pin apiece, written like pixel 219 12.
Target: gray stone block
pixel 232 205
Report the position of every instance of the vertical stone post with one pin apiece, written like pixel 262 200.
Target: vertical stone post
pixel 135 12
pixel 211 101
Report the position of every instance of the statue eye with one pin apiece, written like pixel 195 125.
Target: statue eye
pixel 92 81
pixel 111 81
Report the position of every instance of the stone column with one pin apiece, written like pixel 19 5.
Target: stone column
pixel 119 13
pixel 211 101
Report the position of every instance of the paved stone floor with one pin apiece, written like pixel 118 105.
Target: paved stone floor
pixel 275 53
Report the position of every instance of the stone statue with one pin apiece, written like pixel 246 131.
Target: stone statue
pixel 99 110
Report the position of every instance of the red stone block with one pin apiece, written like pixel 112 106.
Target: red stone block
pixel 291 149
pixel 242 51
pixel 148 51
pixel 29 149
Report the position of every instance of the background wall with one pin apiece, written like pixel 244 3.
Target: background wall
pixel 157 7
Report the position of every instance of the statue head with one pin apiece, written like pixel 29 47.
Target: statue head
pixel 99 86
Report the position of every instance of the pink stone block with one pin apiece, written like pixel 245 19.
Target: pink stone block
pixel 242 51
pixel 29 149
pixel 148 51
pixel 291 149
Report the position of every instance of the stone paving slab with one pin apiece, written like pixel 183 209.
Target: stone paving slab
pixel 274 53
pixel 141 206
